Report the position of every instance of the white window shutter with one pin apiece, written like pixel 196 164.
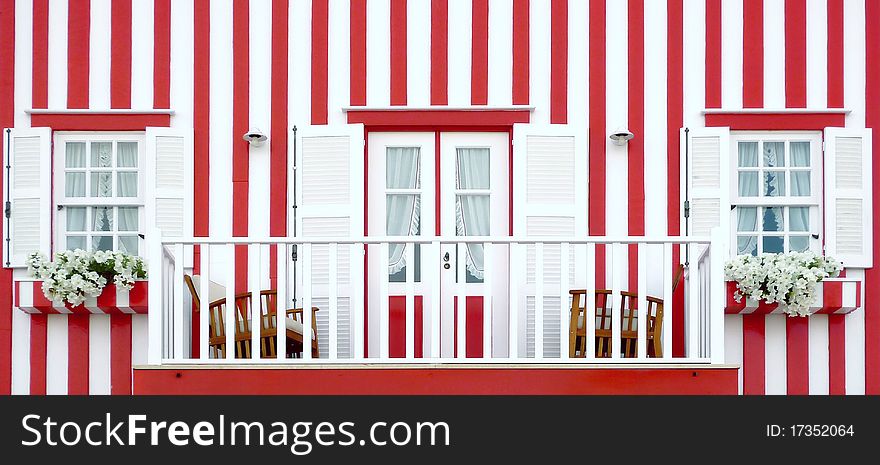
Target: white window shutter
pixel 550 199
pixel 848 193
pixel 705 156
pixel 169 181
pixel 27 195
pixel 330 203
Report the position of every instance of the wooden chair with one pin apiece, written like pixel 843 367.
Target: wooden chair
pixel 294 323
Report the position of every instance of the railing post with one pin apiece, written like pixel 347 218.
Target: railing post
pixel 487 299
pixel 692 344
pixel 590 303
pixel 383 301
pixel 461 298
pixel 281 302
pixel 177 305
pixel 667 300
pixel 615 265
pixel 717 295
pixel 204 300
pixel 513 302
pixel 434 275
pixel 254 274
pixel 641 311
pixel 409 300
pixel 154 318
pixel 333 300
pixel 539 301
pixel 307 302
pixel 230 308
pixel 563 300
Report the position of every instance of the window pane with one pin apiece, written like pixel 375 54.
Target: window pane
pixel 774 154
pixel 774 183
pixel 126 154
pixel 128 244
pixel 748 154
pixel 798 243
pixel 127 183
pixel 773 244
pixel 402 213
pixel 102 154
pixel 76 218
pixel 128 218
pixel 102 243
pixel 747 218
pixel 102 184
pixel 75 155
pixel 800 154
pixel 799 219
pixel 402 167
pixel 747 245
pixel 76 242
pixel 800 183
pixel 773 220
pixel 748 183
pixel 102 219
pixel 472 168
pixel 75 184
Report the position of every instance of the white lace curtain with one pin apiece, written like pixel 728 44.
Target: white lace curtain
pixel 472 210
pixel 401 210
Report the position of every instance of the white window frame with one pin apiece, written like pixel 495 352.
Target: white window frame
pixel 62 202
pixel 813 201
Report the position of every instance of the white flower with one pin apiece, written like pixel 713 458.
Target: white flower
pixel 74 275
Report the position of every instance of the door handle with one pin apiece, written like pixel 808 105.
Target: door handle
pixel 446 261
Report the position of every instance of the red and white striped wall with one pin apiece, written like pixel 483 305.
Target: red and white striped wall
pixel 650 65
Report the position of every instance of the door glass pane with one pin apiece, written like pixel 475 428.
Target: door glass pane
pixel 472 219
pixel 402 218
pixel 402 167
pixel 472 168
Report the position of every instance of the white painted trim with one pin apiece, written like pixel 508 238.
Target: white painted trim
pixel 114 111
pixel 475 108
pixel 791 111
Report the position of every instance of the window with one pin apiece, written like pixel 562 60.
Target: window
pixel 403 194
pixel 777 191
pixel 99 191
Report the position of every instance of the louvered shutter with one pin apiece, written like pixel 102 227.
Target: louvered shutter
pixel 848 194
pixel 330 204
pixel 550 199
pixel 706 158
pixel 169 182
pixel 28 227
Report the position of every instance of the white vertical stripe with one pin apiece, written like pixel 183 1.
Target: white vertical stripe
pixel 99 354
pixel 99 54
pixel 854 65
pixel 418 53
pixel 142 40
pixel 539 60
pixel 854 351
pixel 56 354
pixel 578 62
pixel 259 107
pixel 501 52
pixel 24 27
pixel 299 66
pixel 655 130
pixel 731 54
pixel 775 372
pixel 338 60
pixel 616 97
pixel 774 54
pixel 21 352
pixel 694 44
pixel 139 335
pixel 182 43
pixel 818 367
pixel 817 54
pixel 57 54
pixel 379 53
pixel 220 121
pixel 733 345
pixel 459 52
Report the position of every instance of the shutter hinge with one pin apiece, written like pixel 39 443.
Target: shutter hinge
pixel 7 209
pixel 293 255
pixel 687 209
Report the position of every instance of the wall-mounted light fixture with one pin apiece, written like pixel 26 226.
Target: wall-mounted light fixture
pixel 621 136
pixel 255 137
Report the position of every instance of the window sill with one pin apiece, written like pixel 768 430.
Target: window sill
pixel 99 120
pixel 788 119
pixel 834 296
pixel 29 298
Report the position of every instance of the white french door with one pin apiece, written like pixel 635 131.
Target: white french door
pixel 465 186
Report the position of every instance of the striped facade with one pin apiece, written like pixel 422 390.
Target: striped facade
pixel 652 66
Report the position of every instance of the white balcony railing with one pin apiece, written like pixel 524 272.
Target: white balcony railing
pixel 535 278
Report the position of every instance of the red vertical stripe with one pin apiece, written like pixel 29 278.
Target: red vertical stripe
pixel 279 130
pixel 319 61
pixel 597 133
pixel 240 151
pixel 837 354
pixel 201 115
pixel 835 53
pixel 872 275
pixel 78 21
pixel 439 52
pixel 753 354
pixel 162 52
pixel 40 69
pixel 398 52
pixel 120 354
pixel 480 53
pixel 674 121
pixel 120 54
pixel 559 61
pixel 437 177
pixel 795 53
pixel 521 52
pixel 7 120
pixel 713 53
pixel 753 53
pixel 38 354
pixel 636 123
pixel 78 354
pixel 797 355
pixel 358 54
